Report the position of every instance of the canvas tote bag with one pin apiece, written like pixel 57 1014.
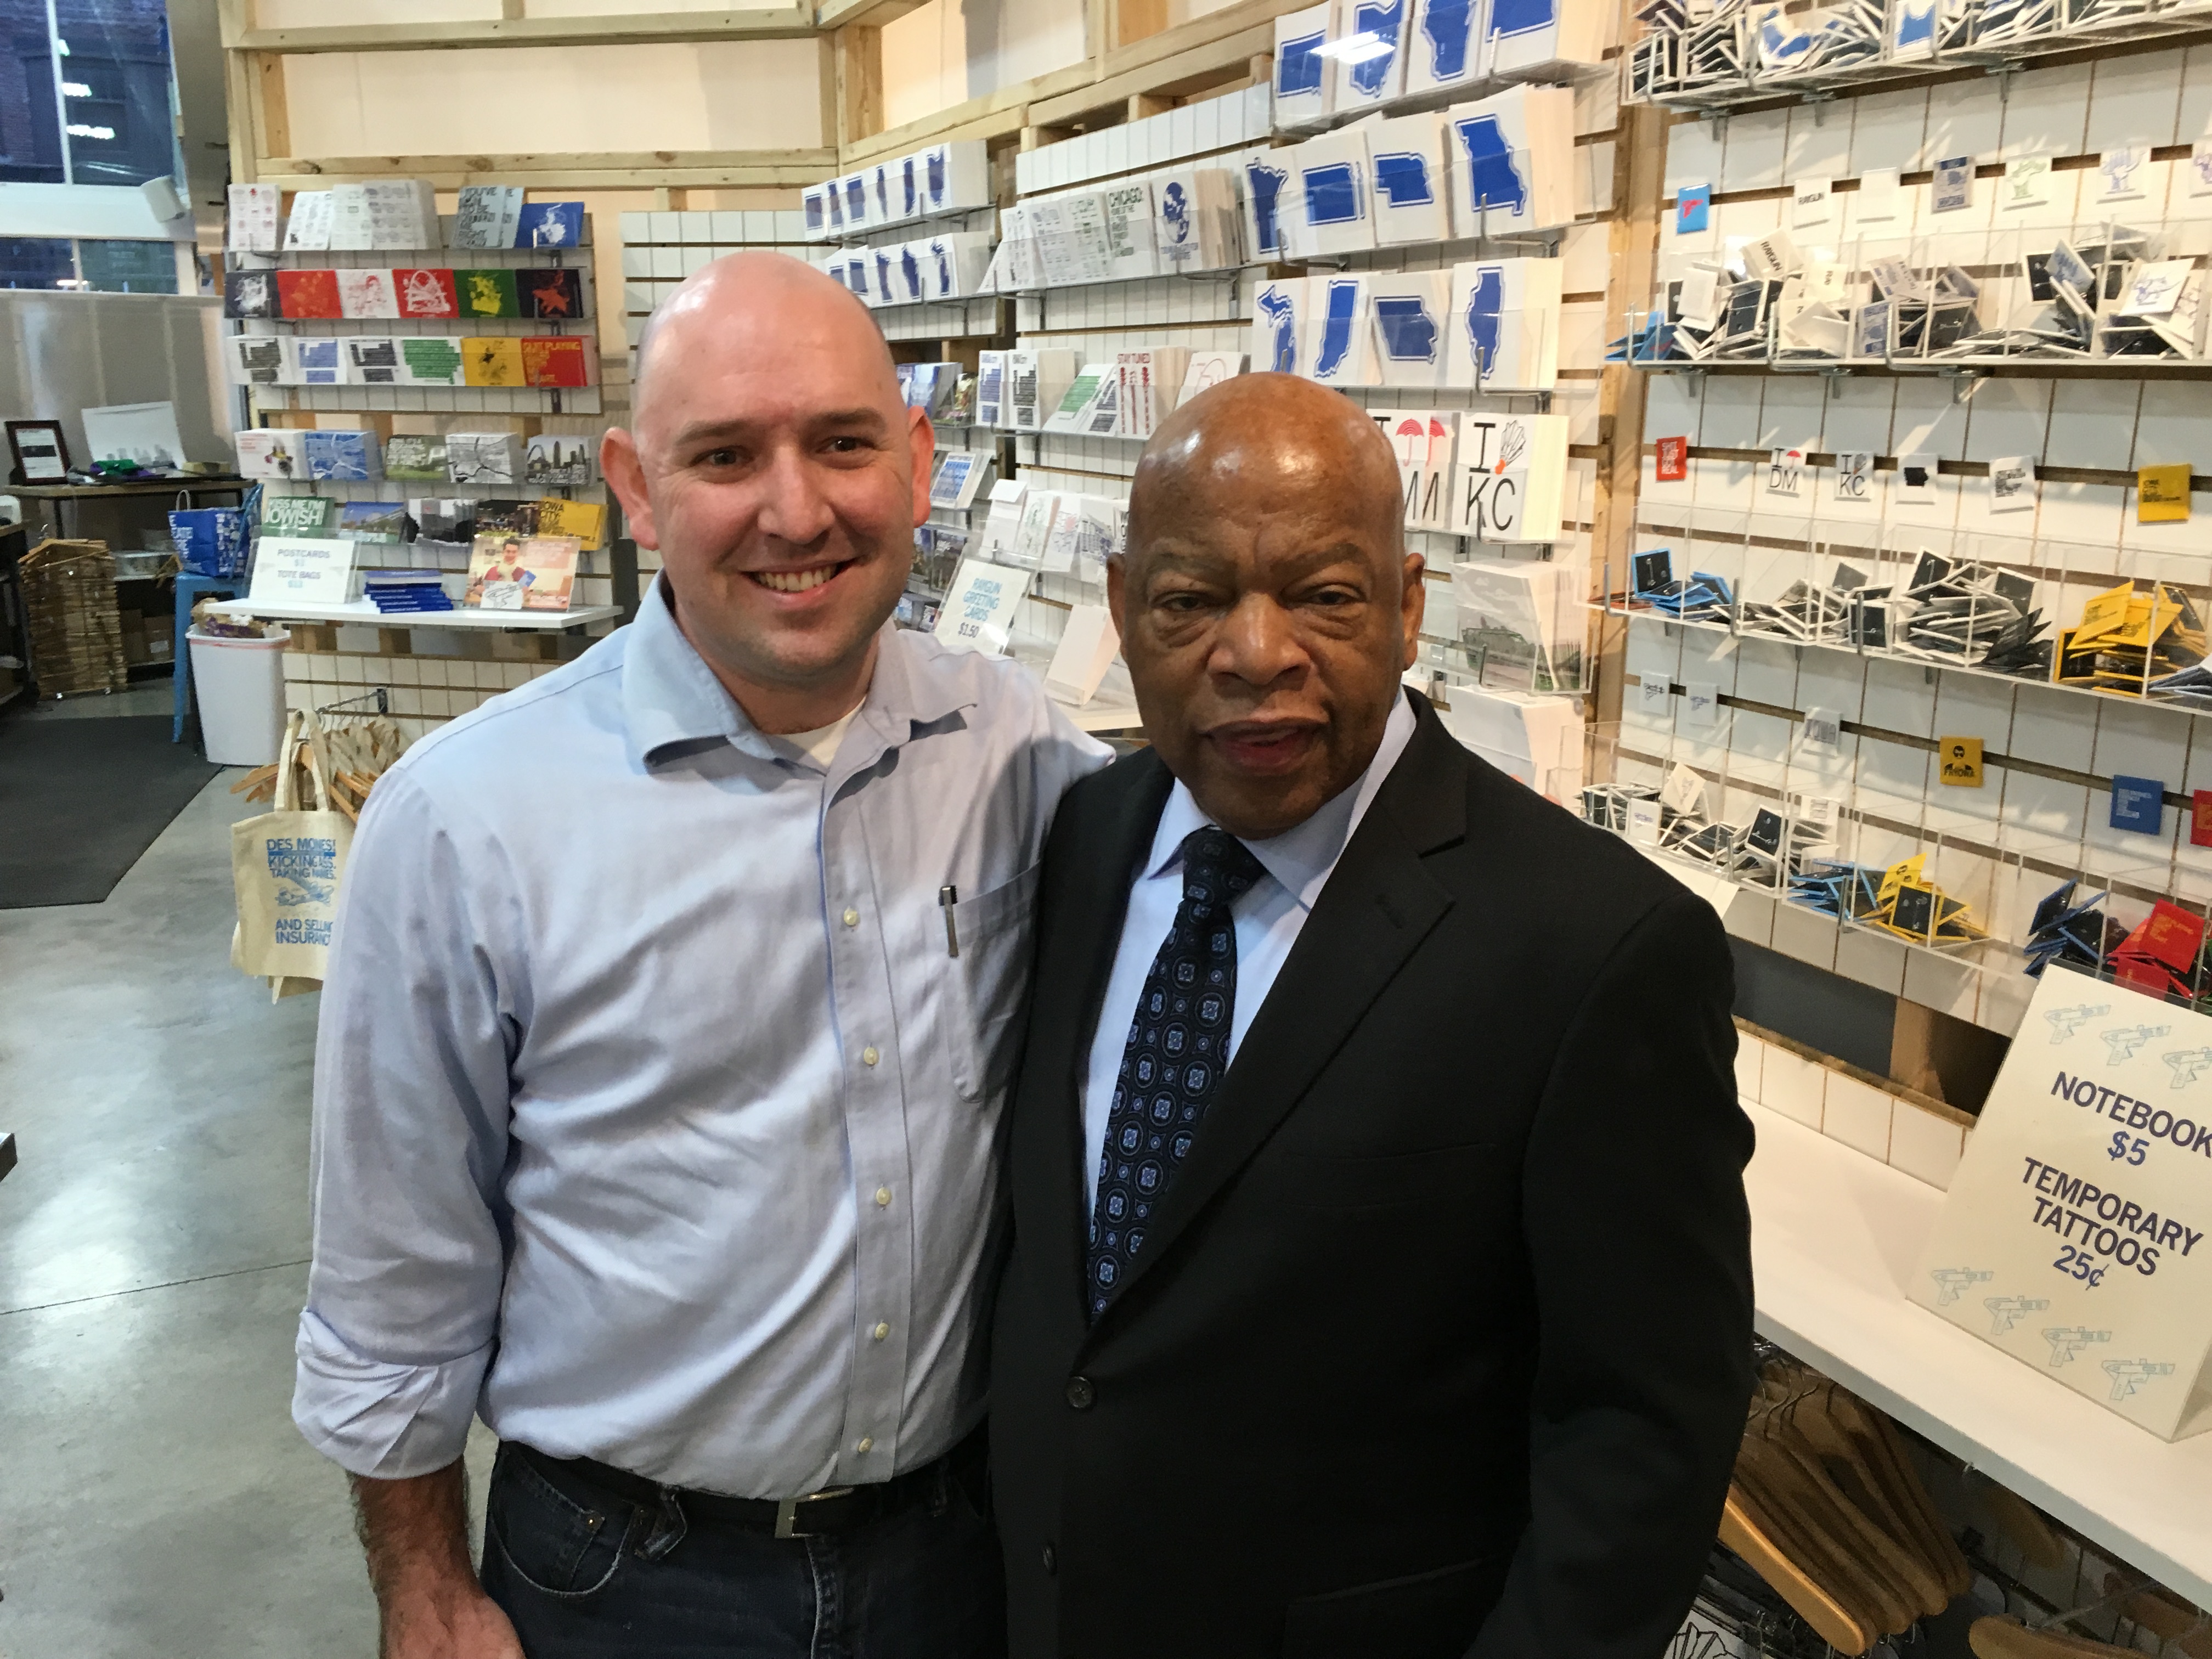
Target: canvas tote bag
pixel 286 865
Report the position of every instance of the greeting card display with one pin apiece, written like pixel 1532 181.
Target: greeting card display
pixel 522 572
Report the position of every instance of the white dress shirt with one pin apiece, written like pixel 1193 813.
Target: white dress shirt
pixel 653 1121
pixel 1268 917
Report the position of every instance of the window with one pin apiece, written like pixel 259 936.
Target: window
pixel 101 267
pixel 86 93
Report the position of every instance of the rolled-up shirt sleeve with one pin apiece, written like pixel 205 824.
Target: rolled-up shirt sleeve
pixel 409 1144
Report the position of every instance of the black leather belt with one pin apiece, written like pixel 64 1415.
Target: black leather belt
pixel 818 1515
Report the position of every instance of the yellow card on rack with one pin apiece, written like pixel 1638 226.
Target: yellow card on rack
pixel 1960 761
pixel 2144 623
pixel 2162 494
pixel 585 520
pixel 1898 875
pixel 2102 615
pixel 491 360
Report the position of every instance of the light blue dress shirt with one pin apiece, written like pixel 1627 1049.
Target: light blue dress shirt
pixel 1268 917
pixel 654 1120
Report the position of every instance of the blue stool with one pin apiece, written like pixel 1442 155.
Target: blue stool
pixel 190 590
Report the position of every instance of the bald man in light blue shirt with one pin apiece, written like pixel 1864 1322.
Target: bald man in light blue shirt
pixel 671 1011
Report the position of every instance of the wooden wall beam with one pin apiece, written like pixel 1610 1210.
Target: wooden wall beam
pixel 766 24
pixel 841 13
pixel 604 170
pixel 1191 69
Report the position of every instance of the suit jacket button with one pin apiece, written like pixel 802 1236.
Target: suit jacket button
pixel 1051 1561
pixel 1081 1393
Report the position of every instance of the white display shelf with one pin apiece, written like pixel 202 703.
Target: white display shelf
pixel 1835 1235
pixel 362 611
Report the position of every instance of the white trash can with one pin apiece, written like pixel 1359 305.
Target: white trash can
pixel 240 687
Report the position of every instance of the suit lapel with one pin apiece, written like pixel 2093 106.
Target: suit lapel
pixel 1378 905
pixel 1094 897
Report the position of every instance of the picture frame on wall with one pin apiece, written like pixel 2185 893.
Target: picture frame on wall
pixel 38 452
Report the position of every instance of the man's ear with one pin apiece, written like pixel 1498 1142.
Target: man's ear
pixel 921 440
pixel 1415 603
pixel 1117 578
pixel 625 473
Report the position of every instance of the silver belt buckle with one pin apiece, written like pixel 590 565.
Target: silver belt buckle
pixel 787 1509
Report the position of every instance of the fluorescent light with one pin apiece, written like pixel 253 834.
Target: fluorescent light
pixel 81 130
pixel 75 90
pixel 1358 48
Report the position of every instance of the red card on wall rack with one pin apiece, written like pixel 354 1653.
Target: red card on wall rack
pixel 1673 459
pixel 307 294
pixel 426 294
pixel 556 360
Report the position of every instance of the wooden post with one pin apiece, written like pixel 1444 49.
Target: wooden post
pixel 859 83
pixel 1143 104
pixel 272 114
pixel 1137 19
pixel 1639 156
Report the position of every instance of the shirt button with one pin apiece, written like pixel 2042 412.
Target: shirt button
pixel 869 1056
pixel 1081 1393
pixel 882 1331
pixel 1051 1560
pixel 864 1443
pixel 852 918
pixel 883 1196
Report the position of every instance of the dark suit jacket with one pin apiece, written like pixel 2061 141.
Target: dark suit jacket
pixel 1440 1340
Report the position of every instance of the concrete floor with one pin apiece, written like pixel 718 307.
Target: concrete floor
pixel 153 1248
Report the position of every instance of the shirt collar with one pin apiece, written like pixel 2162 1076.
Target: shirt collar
pixel 1303 857
pixel 672 698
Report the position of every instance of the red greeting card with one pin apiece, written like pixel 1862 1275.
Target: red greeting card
pixel 2200 818
pixel 427 293
pixel 556 360
pixel 308 294
pixel 1673 459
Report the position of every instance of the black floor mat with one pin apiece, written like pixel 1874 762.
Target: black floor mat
pixel 80 800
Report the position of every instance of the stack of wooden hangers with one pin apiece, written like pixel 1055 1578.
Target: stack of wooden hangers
pixel 1827 1508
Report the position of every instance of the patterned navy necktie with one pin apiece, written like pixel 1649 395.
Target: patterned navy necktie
pixel 1171 1066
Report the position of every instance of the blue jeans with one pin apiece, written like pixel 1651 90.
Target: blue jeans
pixel 923 1584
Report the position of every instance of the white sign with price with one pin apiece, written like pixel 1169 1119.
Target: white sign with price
pixel 302 570
pixel 978 613
pixel 2077 1234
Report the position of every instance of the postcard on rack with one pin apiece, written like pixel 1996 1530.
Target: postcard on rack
pixel 550 224
pixel 584 520
pixel 308 296
pixel 558 360
pixel 426 294
pixel 490 293
pixel 366 294
pixel 249 293
pixel 552 295
pixel 522 572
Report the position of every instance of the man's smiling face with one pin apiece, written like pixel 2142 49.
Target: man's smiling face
pixel 1266 602
pixel 779 472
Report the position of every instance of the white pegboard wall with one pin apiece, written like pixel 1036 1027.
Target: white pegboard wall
pixel 1238 118
pixel 2070 112
pixel 659 249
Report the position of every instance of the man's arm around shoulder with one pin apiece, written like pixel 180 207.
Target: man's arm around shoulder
pixel 1639 1244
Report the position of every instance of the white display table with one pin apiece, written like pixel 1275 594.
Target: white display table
pixel 1834 1235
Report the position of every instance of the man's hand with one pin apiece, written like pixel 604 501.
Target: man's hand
pixel 416 1533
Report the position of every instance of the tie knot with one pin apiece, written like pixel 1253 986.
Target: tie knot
pixel 1215 864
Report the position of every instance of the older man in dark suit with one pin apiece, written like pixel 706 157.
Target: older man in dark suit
pixel 1381 1283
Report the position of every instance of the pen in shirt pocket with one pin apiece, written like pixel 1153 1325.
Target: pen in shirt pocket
pixel 947 896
